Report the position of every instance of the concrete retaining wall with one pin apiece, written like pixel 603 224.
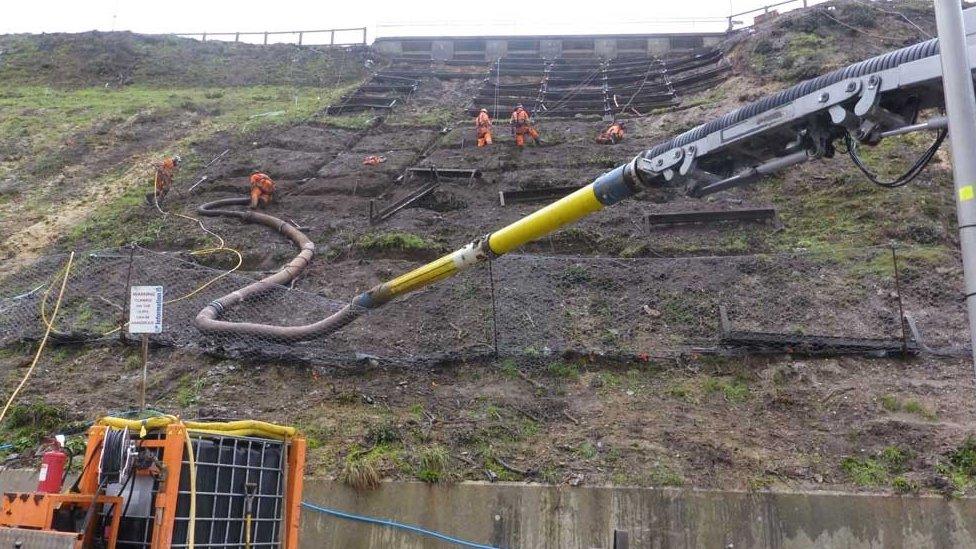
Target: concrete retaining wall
pixel 534 516
pixel 605 47
pixel 513 515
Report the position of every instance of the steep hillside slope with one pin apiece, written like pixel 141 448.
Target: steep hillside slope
pixel 608 370
pixel 122 58
pixel 82 117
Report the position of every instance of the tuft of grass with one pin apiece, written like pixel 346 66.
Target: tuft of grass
pixel 360 473
pixel 877 470
pixel 609 380
pixel 317 435
pixel 28 423
pixel 865 471
pixel 735 392
pixel 573 275
pixel 903 485
pixel 433 464
pixel 915 407
pixel 384 433
pixel 416 410
pixel 362 469
pixel 188 391
pixel 395 240
pixel 586 450
pixel 509 368
pixel 133 361
pixel 662 475
pixel 681 391
pixel 565 370
pixel 959 466
pixel 892 403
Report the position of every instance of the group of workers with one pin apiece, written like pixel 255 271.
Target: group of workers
pixel 521 125
pixel 262 186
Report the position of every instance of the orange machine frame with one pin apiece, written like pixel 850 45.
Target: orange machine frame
pixel 164 505
pixel 35 511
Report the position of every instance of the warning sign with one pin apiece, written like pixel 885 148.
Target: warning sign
pixel 146 310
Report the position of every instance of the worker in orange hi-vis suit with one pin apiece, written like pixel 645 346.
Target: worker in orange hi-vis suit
pixel 483 125
pixel 163 179
pixel 521 125
pixel 262 188
pixel 612 135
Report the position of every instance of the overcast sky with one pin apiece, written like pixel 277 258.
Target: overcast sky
pixel 382 17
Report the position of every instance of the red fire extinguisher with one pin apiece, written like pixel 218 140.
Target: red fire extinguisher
pixel 53 466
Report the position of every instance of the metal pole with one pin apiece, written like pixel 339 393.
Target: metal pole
pixel 901 307
pixel 145 370
pixel 960 103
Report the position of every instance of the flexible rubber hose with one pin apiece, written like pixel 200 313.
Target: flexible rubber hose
pixel 207 319
pixel 610 188
pixel 229 428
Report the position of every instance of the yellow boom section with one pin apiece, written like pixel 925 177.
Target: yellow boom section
pixel 566 210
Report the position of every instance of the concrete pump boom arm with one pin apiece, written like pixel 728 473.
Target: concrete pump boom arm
pixel 864 102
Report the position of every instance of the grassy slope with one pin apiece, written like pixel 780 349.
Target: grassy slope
pixel 75 157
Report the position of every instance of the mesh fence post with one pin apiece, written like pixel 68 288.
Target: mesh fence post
pixel 494 316
pixel 901 309
pixel 125 294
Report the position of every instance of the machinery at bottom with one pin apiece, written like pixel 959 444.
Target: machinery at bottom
pixel 162 482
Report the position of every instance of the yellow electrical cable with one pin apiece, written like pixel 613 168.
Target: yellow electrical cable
pixel 191 529
pixel 40 348
pixel 206 251
pixel 240 261
pixel 47 294
pixel 218 248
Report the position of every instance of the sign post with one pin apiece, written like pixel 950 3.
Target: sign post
pixel 145 317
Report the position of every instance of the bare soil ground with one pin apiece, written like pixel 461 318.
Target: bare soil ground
pixel 743 422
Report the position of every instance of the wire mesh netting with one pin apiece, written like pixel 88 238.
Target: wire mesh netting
pixel 523 305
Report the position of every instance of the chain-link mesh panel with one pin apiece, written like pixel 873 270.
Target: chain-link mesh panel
pixel 813 302
pixel 91 306
pixel 450 320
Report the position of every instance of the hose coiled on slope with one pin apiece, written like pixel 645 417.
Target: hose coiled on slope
pixel 207 319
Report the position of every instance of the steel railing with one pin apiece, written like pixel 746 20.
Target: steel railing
pixel 763 10
pixel 360 33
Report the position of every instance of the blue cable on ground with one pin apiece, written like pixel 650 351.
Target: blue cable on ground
pixel 394 524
